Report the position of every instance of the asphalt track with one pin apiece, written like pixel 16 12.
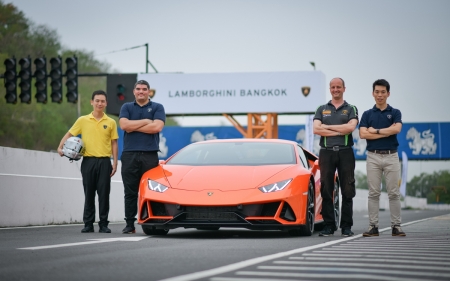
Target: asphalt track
pixel 63 253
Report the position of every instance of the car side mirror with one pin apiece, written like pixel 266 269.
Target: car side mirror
pixel 316 165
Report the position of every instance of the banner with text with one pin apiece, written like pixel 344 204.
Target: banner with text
pixel 238 93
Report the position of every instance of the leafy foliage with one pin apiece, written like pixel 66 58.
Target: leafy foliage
pixel 423 186
pixel 428 185
pixel 41 126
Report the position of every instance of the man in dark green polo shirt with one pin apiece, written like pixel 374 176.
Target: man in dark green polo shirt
pixel 335 122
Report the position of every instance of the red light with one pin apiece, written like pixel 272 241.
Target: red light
pixel 121 97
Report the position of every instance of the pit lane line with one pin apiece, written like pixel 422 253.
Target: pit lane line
pixel 250 262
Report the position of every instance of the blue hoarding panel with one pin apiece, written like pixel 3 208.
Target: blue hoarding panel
pixel 420 141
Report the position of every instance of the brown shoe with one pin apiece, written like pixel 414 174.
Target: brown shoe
pixel 397 231
pixel 372 231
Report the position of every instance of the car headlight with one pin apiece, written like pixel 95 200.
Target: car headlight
pixel 156 186
pixel 275 186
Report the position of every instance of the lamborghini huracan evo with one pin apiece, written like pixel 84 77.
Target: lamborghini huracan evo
pixel 258 184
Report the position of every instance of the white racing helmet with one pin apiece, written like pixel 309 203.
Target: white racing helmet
pixel 73 148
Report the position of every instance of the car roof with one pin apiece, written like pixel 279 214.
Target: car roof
pixel 249 140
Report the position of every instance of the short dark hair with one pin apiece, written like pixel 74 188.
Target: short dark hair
pixel 142 82
pixel 99 92
pixel 381 82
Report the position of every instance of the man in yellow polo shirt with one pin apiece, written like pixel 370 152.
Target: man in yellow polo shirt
pixel 99 135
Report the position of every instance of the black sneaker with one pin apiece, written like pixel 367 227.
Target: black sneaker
pixel 347 232
pixel 87 228
pixel 129 230
pixel 327 231
pixel 397 231
pixel 104 229
pixel 372 231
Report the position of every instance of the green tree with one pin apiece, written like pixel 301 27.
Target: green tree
pixel 424 184
pixel 40 126
pixel 360 180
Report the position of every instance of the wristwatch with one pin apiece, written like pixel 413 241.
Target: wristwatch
pixel 378 131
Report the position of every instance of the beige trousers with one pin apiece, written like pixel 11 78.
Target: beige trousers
pixel 389 165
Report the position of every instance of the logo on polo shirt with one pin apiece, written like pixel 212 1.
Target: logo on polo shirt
pixel 389 116
pixel 326 112
pixel 104 126
pixel 150 109
pixel 345 112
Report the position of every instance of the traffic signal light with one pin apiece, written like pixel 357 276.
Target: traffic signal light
pixel 72 79
pixel 25 80
pixel 56 79
pixel 41 79
pixel 121 92
pixel 11 80
pixel 119 88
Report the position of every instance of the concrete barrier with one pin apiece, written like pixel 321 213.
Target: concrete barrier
pixel 41 188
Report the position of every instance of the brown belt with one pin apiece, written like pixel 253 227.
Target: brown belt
pixel 392 151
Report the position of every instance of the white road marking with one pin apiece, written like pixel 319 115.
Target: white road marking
pixel 95 241
pixel 239 265
pixel 373 264
pixel 380 258
pixel 250 262
pixel 436 248
pixel 389 255
pixel 46 177
pixel 249 279
pixel 324 275
pixel 51 225
pixel 339 252
pixel 345 270
pixel 408 239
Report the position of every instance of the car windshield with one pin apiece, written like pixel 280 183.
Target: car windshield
pixel 235 154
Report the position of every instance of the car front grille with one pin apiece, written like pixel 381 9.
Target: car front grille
pixel 209 213
pixel 225 213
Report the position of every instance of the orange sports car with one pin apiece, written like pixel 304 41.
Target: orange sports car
pixel 258 184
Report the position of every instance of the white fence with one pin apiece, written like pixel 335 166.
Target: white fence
pixel 40 188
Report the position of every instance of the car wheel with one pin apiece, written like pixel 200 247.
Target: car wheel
pixel 336 204
pixel 151 231
pixel 208 228
pixel 308 228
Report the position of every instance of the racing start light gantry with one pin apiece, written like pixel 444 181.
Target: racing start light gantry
pixel 25 80
pixel 72 79
pixel 10 77
pixel 40 74
pixel 56 79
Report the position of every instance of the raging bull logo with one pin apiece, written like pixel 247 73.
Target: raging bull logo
pixel 306 90
pixel 152 93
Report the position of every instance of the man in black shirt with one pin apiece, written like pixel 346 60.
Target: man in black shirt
pixel 335 122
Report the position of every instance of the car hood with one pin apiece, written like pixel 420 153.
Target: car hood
pixel 224 178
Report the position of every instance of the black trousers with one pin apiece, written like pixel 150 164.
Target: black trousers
pixel 344 161
pixel 134 165
pixel 96 173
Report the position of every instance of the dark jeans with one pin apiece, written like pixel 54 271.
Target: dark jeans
pixel 96 173
pixel 134 165
pixel 344 161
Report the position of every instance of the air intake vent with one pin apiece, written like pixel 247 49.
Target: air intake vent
pixel 287 213
pixel 158 209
